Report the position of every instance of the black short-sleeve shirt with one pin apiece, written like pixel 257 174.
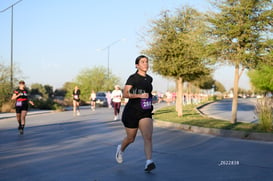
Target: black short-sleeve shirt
pixel 76 95
pixel 23 94
pixel 140 84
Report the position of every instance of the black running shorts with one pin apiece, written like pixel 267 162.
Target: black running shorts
pixel 132 116
pixel 23 107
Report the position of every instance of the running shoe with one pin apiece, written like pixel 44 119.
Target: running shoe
pixel 21 130
pixel 119 158
pixel 78 113
pixel 150 165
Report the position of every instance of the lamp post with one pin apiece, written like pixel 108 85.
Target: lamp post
pixel 108 52
pixel 11 41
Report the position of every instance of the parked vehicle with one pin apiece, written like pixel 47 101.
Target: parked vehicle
pixel 155 99
pixel 101 99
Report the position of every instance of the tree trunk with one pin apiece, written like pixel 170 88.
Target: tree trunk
pixel 179 95
pixel 235 95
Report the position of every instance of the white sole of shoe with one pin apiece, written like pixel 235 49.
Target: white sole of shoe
pixel 117 153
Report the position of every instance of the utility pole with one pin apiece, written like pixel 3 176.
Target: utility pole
pixel 108 53
pixel 11 41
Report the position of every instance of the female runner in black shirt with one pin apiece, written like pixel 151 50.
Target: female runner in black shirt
pixel 21 105
pixel 137 113
pixel 76 100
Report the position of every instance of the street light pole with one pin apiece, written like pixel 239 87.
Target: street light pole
pixel 108 53
pixel 11 50
pixel 108 60
pixel 11 41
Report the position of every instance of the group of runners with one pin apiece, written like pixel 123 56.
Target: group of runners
pixel 137 113
pixel 115 100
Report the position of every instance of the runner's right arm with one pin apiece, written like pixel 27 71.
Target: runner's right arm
pixel 15 96
pixel 127 94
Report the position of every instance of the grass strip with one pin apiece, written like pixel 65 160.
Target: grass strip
pixel 192 117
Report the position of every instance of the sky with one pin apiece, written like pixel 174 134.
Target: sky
pixel 53 40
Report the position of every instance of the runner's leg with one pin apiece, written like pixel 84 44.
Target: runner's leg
pixel 18 116
pixel 23 118
pixel 118 108
pixel 78 105
pixel 74 106
pixel 130 138
pixel 146 128
pixel 115 108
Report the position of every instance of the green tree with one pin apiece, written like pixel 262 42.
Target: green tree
pixel 239 29
pixel 38 91
pixel 60 92
pixel 205 82
pixel 262 78
pixel 94 79
pixel 42 96
pixel 4 84
pixel 49 91
pixel 219 87
pixel 68 87
pixel 177 48
pixel 208 83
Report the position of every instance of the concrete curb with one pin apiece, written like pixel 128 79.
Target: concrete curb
pixel 201 106
pixel 216 132
pixel 30 113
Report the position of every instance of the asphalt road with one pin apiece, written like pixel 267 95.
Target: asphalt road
pixel 58 146
pixel 222 110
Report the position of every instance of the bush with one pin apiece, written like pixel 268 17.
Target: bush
pixel 212 98
pixel 264 109
pixel 43 104
pixel 8 107
pixel 57 107
pixel 48 104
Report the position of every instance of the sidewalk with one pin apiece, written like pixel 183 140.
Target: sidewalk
pixel 34 112
pixel 222 110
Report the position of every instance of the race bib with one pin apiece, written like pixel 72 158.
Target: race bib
pixel 76 97
pixel 18 103
pixel 146 103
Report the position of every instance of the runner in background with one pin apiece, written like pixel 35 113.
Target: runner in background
pixel 93 100
pixel 109 99
pixel 76 101
pixel 21 105
pixel 116 99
